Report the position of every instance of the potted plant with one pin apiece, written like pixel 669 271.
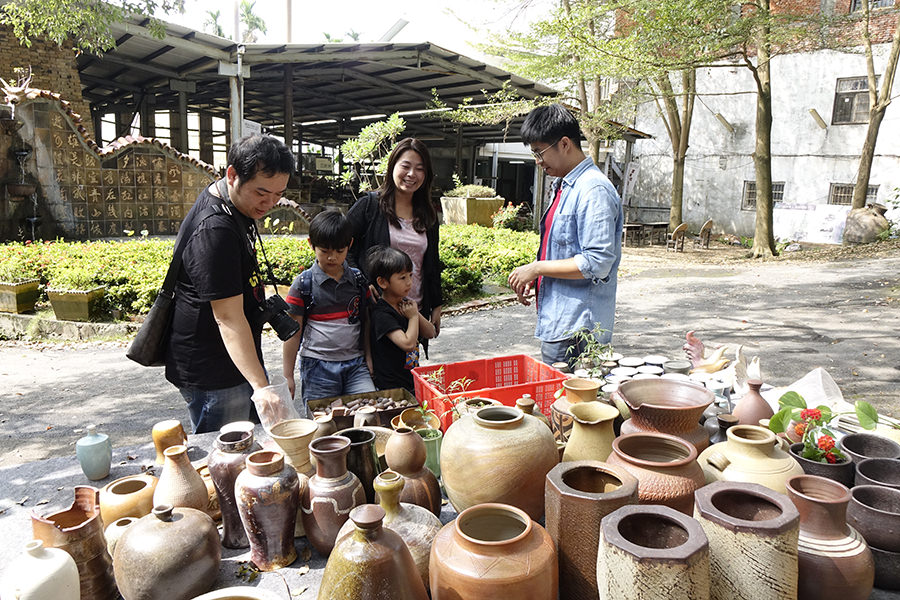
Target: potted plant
pixel 471 204
pixel 75 294
pixel 819 450
pixel 19 284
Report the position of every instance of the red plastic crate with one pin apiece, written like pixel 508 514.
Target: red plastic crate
pixel 504 378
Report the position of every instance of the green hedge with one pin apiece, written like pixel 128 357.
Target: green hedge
pixel 133 270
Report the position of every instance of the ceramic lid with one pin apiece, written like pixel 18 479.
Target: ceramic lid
pixel 631 361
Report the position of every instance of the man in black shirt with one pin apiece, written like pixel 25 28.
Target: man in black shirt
pixel 214 353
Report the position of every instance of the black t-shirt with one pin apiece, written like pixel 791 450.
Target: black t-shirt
pixel 219 261
pixel 388 360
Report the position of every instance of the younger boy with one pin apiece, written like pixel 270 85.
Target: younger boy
pixel 328 301
pixel 397 323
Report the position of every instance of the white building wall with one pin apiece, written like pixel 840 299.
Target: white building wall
pixel 804 156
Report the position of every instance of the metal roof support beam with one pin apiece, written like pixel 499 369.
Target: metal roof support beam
pixel 330 57
pixel 289 105
pixel 177 42
pixel 458 67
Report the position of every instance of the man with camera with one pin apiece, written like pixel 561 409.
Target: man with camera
pixel 214 351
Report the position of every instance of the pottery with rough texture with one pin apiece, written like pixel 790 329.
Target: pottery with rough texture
pixel 752 407
pixel 41 574
pixel 844 471
pixel 666 406
pixel 433 439
pixel 362 460
pixel 561 419
pixel 752 454
pixel 578 494
pixel 79 531
pixel 293 437
pixel 114 531
pixel 406 454
pixel 581 390
pixel 834 561
pixel 526 405
pixel 652 552
pixel 664 465
pixel 94 453
pixel 878 471
pixel 415 524
pixel 860 446
pixel 874 511
pixel 226 462
pixel 592 431
pixel 752 533
pixel 493 552
pixel 180 484
pixel 887 569
pixel 325 425
pixel 498 456
pixel 130 496
pixel 171 554
pixel 166 434
pixel 371 562
pixel 718 425
pixel 268 496
pixel 331 493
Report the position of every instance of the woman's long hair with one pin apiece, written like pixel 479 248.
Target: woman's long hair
pixel 424 215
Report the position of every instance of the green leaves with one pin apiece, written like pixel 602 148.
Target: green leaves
pixel 781 420
pixel 792 399
pixel 868 417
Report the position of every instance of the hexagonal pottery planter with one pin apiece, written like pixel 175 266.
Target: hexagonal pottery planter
pixel 76 305
pixel 18 297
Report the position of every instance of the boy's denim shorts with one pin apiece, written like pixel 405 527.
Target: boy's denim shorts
pixel 327 378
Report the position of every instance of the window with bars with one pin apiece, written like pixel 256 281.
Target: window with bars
pixel 856 5
pixel 851 101
pixel 748 201
pixel 842 193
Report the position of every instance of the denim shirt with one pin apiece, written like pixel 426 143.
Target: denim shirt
pixel 587 226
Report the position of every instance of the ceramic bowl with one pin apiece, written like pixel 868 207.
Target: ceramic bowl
pixel 887 569
pixel 860 446
pixel 879 471
pixel 874 511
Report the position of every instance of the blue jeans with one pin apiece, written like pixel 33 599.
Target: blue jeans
pixel 327 378
pixel 211 409
pixel 566 351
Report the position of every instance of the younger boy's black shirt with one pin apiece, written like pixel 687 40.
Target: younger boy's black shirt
pixel 388 360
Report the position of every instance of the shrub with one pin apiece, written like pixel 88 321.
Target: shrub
pixel 19 265
pixel 517 218
pixel 472 191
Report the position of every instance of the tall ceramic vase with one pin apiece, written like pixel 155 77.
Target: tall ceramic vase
pixel 406 454
pixel 268 494
pixel 493 552
pixel 41 574
pixel 180 484
pixel 331 494
pixel 79 531
pixel 226 462
pixel 592 431
pixel 165 435
pixel 578 495
pixel 371 561
pixel 834 561
pixel 362 460
pixel 752 534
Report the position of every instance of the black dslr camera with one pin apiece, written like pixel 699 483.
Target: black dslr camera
pixel 274 312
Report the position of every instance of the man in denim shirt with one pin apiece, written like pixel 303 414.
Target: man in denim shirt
pixel 574 277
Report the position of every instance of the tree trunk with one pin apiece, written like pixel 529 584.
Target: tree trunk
pixel 594 143
pixel 678 126
pixel 763 238
pixel 675 211
pixel 866 157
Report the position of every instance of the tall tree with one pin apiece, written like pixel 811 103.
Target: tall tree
pixel 212 25
pixel 879 99
pixel 253 23
pixel 83 23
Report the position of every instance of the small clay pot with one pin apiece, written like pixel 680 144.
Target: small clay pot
pixel 887 569
pixel 878 471
pixel 843 472
pixel 874 511
pixel 860 446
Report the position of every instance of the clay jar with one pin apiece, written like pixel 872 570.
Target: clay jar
pixel 526 405
pixel 115 530
pixel 496 455
pixel 406 454
pixel 371 562
pixel 493 552
pixel 165 435
pixel 130 496
pixel 94 453
pixel 180 484
pixel 576 390
pixel 325 425
pixel 331 494
pixel 652 552
pixel 664 465
pixel 874 512
pixel 666 406
pixel 860 446
pixel 879 471
pixel 362 460
pixel 843 471
pixel 834 561
pixel 268 495
pixel 172 554
pixel 79 531
pixel 41 574
pixel 753 454
pixel 226 462
pixel 752 533
pixel 592 431
pixel 578 495
pixel 293 437
pixel 752 407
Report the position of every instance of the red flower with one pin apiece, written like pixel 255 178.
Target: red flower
pixel 810 414
pixel 800 429
pixel 830 457
pixel 826 442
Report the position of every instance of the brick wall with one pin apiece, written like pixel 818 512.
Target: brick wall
pixel 53 67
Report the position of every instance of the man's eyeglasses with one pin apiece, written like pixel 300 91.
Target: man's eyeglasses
pixel 539 155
